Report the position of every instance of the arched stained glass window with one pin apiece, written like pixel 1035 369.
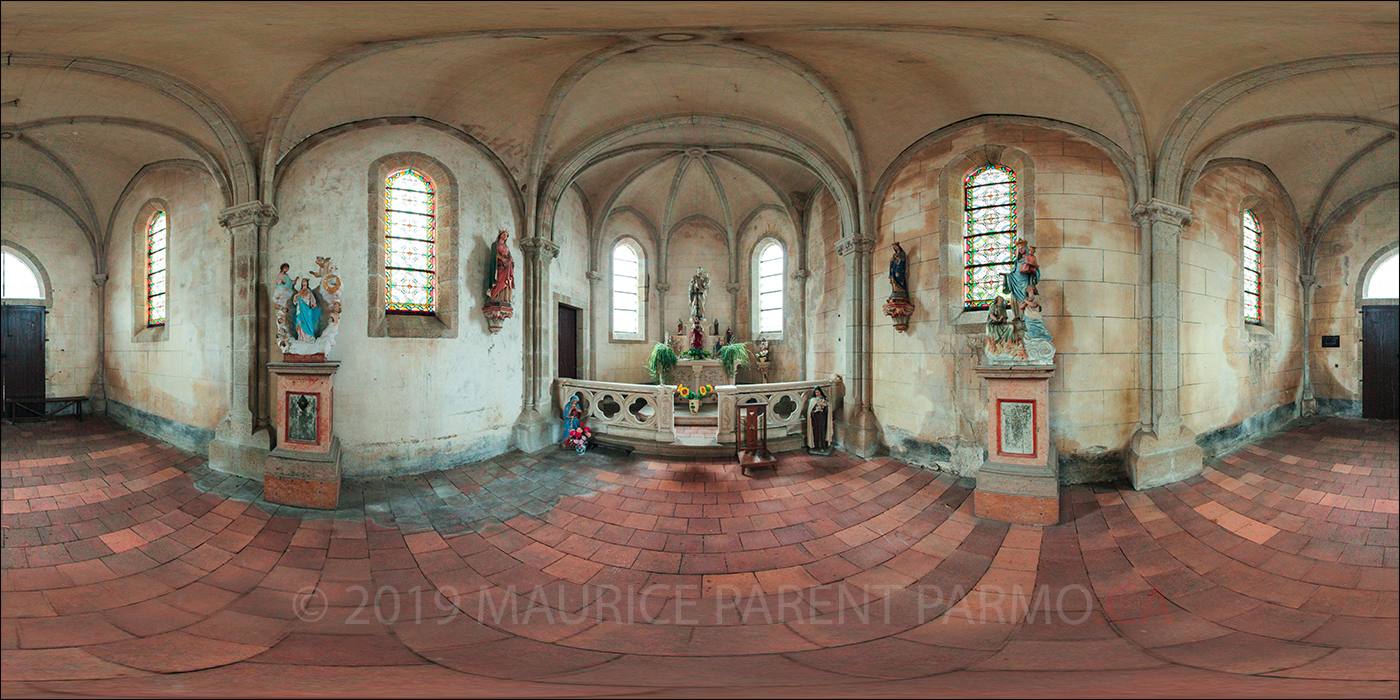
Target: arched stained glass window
pixel 410 278
pixel 990 203
pixel 770 288
pixel 1253 264
pixel 156 235
pixel 626 290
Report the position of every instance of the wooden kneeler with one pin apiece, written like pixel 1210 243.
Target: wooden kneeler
pixel 751 444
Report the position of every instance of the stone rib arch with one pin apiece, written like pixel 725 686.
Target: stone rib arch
pixel 85 200
pixel 1291 214
pixel 1196 168
pixel 208 157
pixel 791 147
pixel 1311 232
pixel 321 137
pixel 135 181
pixel 1181 135
pixel 68 211
pixel 237 168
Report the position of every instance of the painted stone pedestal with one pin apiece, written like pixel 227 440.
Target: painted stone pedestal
pixel 304 469
pixel 1020 480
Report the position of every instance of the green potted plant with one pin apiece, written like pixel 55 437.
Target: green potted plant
pixel 662 361
pixel 732 357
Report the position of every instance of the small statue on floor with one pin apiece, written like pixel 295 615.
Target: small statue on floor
pixel 573 416
pixel 819 423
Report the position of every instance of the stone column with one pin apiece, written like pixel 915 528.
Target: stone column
pixel 1164 451
pixel 800 277
pixel 660 309
pixel 594 277
pixel 1307 404
pixel 99 405
pixel 238 446
pixel 532 429
pixel 857 433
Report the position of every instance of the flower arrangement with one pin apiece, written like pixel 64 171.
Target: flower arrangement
pixel 697 394
pixel 578 439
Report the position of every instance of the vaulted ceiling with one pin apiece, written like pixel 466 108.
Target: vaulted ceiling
pixel 93 92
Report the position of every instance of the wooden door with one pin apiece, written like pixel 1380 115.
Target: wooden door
pixel 1380 362
pixel 22 354
pixel 568 342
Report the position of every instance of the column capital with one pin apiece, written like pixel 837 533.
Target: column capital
pixel 594 276
pixel 733 288
pixel 801 274
pixel 663 287
pixel 542 247
pixel 852 244
pixel 248 213
pixel 100 279
pixel 1155 210
pixel 1307 280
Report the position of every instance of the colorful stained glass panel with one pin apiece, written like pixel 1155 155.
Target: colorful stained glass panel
pixel 1253 267
pixel 410 260
pixel 990 204
pixel 156 232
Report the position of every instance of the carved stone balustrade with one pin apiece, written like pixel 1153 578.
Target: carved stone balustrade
pixel 787 404
pixel 632 412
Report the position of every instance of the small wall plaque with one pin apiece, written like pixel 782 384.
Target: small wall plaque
pixel 1331 341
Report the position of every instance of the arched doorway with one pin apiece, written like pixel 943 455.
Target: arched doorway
pixel 1380 338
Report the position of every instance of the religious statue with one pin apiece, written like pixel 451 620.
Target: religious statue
pixel 728 335
pixel 699 284
pixel 307 317
pixel 1024 275
pixel 308 314
pixel 899 272
pixel 715 330
pixel 284 286
pixel 819 423
pixel 679 328
pixel 502 279
pixel 1021 337
pixel 763 349
pixel 573 416
pixel 898 306
pixel 697 335
pixel 499 284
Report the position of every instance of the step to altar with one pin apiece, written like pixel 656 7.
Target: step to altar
pixel 708 415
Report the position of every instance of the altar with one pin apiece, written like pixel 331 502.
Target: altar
pixel 698 373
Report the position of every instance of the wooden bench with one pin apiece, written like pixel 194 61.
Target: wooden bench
pixel 52 405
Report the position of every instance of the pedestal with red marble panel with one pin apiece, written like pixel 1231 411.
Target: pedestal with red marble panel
pixel 1020 480
pixel 304 469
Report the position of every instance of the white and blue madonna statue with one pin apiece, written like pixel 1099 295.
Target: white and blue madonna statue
pixel 307 317
pixel 1016 332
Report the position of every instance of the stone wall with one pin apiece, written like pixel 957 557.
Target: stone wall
pixel 71 326
pixel 1073 206
pixel 179 373
pixel 406 404
pixel 568 276
pixel 625 360
pixel 1342 256
pixel 786 352
pixel 828 300
pixel 1232 371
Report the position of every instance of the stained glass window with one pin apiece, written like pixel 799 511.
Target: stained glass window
pixel 627 273
pixel 770 289
pixel 1253 253
pixel 410 279
pixel 990 203
pixel 155 270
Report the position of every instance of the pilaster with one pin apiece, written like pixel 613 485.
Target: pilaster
pixel 858 432
pixel 533 429
pixel 1163 450
pixel 239 447
pixel 1307 403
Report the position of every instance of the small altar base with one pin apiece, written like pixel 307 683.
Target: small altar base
pixel 698 373
pixel 1020 480
pixel 304 469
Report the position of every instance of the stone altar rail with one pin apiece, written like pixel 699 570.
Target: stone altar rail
pixel 636 412
pixel 787 402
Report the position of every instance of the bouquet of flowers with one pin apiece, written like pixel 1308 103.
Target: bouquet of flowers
pixel 578 439
pixel 697 394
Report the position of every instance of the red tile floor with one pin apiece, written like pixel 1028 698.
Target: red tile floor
pixel 131 569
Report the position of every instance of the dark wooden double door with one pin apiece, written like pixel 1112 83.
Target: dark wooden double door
pixel 1380 362
pixel 21 355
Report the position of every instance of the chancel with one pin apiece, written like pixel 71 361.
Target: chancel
pixel 976 349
